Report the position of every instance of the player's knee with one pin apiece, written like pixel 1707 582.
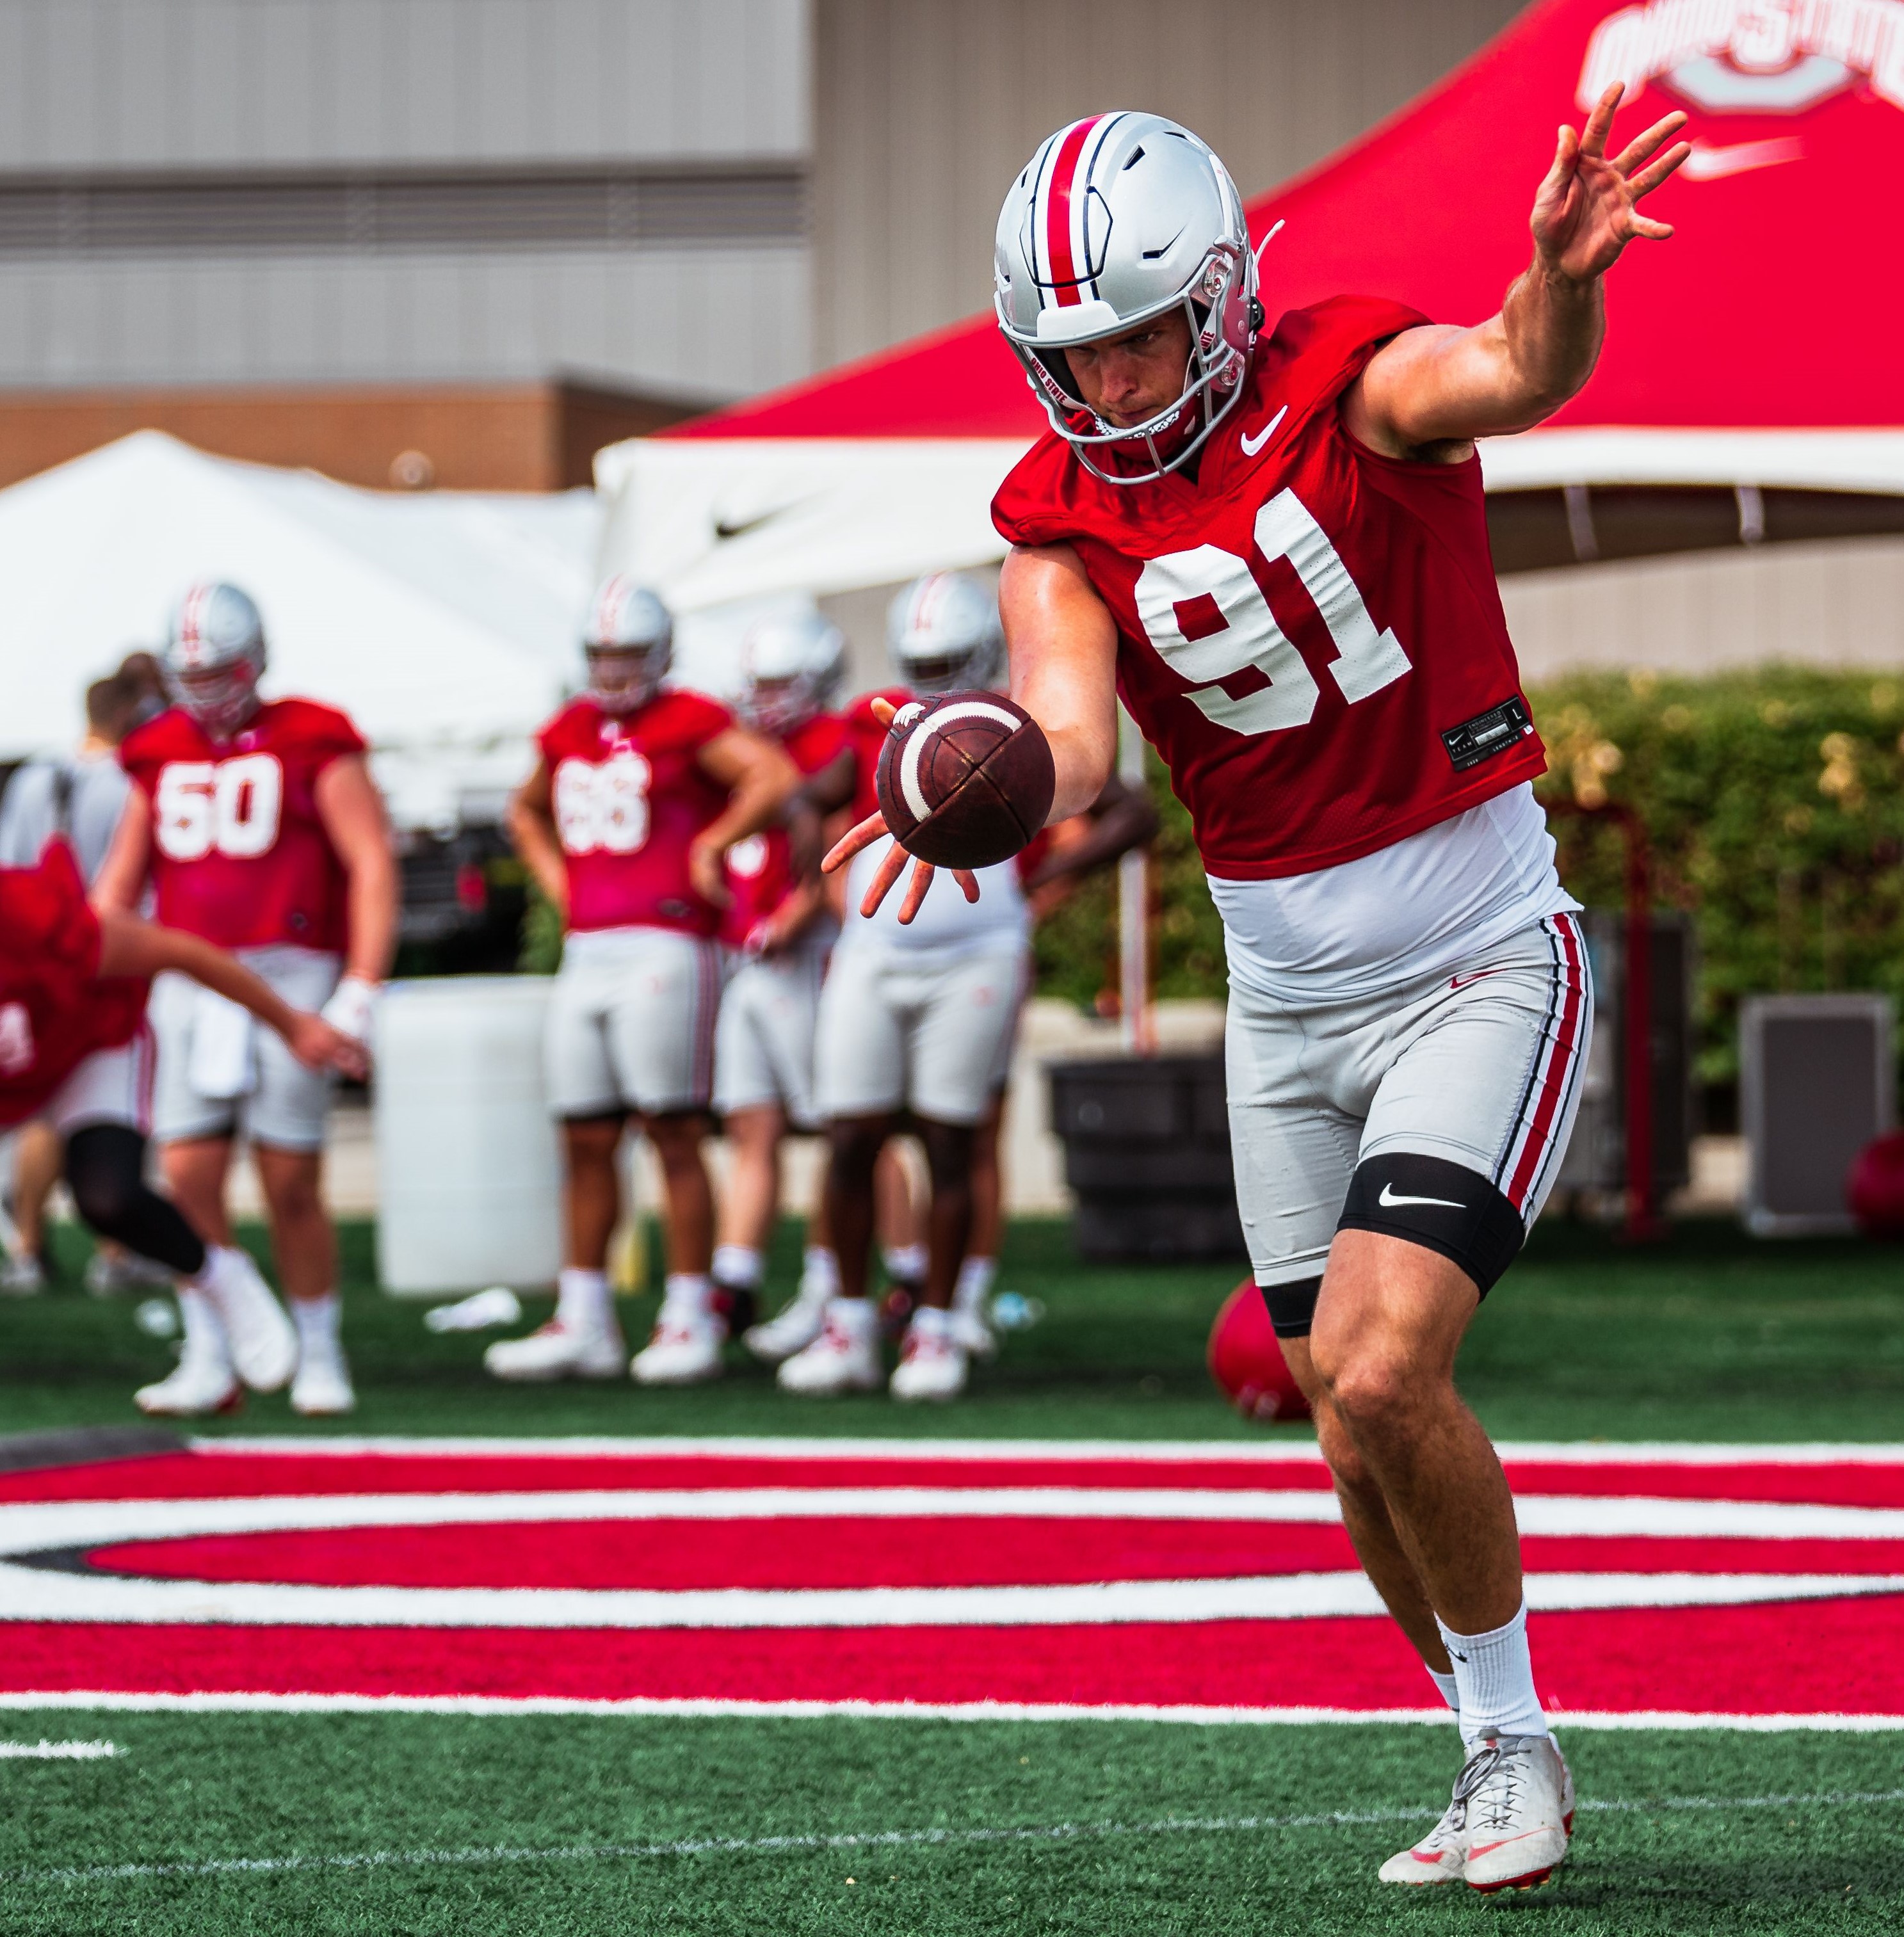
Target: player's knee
pixel 948 1153
pixel 854 1142
pixel 1371 1386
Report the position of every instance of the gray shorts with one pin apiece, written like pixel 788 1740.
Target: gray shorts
pixel 1481 1068
pixel 763 1045
pixel 900 1029
pixel 274 1100
pixel 631 1024
pixel 111 1086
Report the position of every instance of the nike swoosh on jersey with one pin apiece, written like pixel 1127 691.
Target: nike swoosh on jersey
pixel 1251 445
pixel 1388 1200
pixel 1710 164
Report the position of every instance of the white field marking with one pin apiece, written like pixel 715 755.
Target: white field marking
pixel 1581 1452
pixel 637 1707
pixel 817 1843
pixel 32 1594
pixel 46 1751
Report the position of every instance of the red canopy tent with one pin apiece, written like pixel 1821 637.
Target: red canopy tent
pixel 1755 352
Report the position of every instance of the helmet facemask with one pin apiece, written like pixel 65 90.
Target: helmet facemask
pixel 214 656
pixel 622 679
pixel 222 699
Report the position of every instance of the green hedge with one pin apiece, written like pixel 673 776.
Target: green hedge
pixel 1774 804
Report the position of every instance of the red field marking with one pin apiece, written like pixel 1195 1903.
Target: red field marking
pixel 947 1552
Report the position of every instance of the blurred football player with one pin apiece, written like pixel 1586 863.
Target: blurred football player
pixel 258 826
pixel 1276 551
pixel 75 1053
pixel 640 793
pixel 779 929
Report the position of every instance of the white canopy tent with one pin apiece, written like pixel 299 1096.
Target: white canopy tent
pixel 445 625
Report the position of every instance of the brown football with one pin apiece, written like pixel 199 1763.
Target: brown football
pixel 966 779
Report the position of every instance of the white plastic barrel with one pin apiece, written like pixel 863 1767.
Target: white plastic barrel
pixel 467 1173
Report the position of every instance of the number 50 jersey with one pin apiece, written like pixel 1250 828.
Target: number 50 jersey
pixel 1309 632
pixel 239 855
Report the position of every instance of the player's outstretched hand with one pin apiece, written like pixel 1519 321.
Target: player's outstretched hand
pixel 1584 214
pixel 317 1046
pixel 872 828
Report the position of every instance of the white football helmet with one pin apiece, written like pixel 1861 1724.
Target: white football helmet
pixel 944 634
pixel 1117 220
pixel 213 655
pixel 629 643
pixel 790 668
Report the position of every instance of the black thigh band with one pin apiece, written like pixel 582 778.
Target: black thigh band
pixel 1428 1201
pixel 1292 1307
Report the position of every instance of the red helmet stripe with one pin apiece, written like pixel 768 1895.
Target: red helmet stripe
pixel 1057 218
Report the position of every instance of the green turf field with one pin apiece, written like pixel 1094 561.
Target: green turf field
pixel 1710 1336
pixel 311 1824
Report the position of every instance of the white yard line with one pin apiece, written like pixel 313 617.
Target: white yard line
pixel 1196 1715
pixel 46 1751
pixel 873 1841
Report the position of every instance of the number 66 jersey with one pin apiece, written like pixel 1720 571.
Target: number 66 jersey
pixel 1309 632
pixel 239 854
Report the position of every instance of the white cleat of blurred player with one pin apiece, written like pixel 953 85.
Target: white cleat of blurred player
pixel 1441 1856
pixel 263 1341
pixel 932 1362
pixel 792 1328
pixel 844 1357
pixel 558 1351
pixel 1520 1809
pixel 323 1389
pixel 972 1333
pixel 685 1347
pixel 203 1381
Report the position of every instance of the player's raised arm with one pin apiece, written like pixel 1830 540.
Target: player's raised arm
pixel 1441 385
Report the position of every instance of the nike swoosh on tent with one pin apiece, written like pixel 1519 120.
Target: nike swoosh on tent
pixel 1708 164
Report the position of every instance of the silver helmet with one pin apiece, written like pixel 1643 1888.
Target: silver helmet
pixel 1117 219
pixel 790 668
pixel 944 634
pixel 213 655
pixel 629 643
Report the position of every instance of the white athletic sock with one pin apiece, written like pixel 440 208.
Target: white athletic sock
pixel 317 1320
pixel 204 1330
pixel 974 1284
pixel 582 1300
pixel 1494 1677
pixel 819 1273
pixel 1451 1689
pixel 905 1261
pixel 688 1294
pixel 739 1265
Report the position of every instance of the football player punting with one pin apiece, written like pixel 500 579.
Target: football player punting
pixel 1275 549
pixel 75 1053
pixel 779 930
pixel 638 797
pixel 260 830
pixel 916 1018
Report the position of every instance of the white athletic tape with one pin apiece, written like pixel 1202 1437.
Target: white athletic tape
pixel 820 1842
pixel 910 790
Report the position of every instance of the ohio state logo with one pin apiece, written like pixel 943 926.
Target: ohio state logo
pixel 1750 57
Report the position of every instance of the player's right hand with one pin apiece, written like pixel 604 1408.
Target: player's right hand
pixel 318 1046
pixel 890 868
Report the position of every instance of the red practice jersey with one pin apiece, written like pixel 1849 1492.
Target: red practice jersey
pixel 865 735
pixel 239 855
pixel 629 797
pixel 1309 633
pixel 760 869
pixel 55 1011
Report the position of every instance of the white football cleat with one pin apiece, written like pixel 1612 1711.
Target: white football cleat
pixel 844 1358
pixel 1440 1857
pixel 1519 1795
pixel 322 1389
pixel 263 1341
pixel 932 1363
pixel 683 1349
pixel 202 1382
pixel 792 1328
pixel 555 1352
pixel 21 1275
pixel 109 1273
pixel 973 1335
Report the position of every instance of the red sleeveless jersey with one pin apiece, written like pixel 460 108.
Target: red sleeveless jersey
pixel 629 796
pixel 239 855
pixel 1309 633
pixel 54 1010
pixel 760 869
pixel 865 734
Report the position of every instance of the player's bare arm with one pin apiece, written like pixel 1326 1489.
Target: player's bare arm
pixel 1442 386
pixel 530 824
pixel 128 946
pixel 352 812
pixel 121 879
pixel 760 780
